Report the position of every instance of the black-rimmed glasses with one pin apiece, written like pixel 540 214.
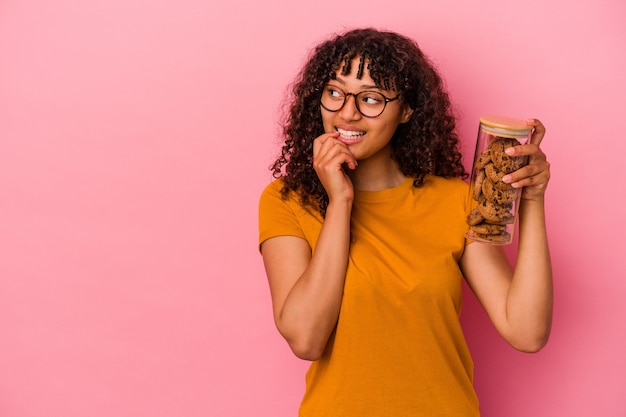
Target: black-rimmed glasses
pixel 368 103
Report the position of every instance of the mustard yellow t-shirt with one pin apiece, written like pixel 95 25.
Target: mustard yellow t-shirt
pixel 398 349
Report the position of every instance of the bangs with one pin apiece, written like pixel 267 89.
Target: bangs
pixel 383 77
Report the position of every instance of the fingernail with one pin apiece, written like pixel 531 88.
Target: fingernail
pixel 506 178
pixel 509 151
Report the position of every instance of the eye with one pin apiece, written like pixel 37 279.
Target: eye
pixel 371 98
pixel 334 92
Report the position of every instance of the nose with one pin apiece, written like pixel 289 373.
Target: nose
pixel 349 110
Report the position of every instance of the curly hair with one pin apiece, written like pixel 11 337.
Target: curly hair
pixel 426 144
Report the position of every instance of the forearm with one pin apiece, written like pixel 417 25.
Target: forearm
pixel 529 301
pixel 311 309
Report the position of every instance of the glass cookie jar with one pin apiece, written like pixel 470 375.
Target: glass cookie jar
pixel 496 203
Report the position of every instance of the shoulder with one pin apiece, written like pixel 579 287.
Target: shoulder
pixel 273 202
pixel 272 199
pixel 280 216
pixel 272 195
pixel 273 189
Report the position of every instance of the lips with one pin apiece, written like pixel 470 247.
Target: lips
pixel 350 136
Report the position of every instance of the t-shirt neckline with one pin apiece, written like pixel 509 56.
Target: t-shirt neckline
pixel 387 193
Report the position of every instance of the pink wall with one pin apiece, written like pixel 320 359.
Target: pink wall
pixel 134 141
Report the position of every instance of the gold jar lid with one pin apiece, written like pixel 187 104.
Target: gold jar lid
pixel 505 126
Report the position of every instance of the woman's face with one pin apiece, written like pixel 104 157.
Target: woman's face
pixel 365 136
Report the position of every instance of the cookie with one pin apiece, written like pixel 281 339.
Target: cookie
pixel 488 229
pixel 502 161
pixel 475 217
pixel 495 175
pixel 495 213
pixel 478 183
pixel 483 159
pixel 503 220
pixel 504 237
pixel 497 195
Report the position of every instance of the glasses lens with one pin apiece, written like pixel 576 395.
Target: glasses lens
pixel 370 103
pixel 332 98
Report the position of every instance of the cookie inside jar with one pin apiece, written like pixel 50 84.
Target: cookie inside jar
pixel 495 203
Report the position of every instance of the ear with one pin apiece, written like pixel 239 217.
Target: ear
pixel 407 112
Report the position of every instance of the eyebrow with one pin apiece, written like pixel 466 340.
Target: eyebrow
pixel 367 87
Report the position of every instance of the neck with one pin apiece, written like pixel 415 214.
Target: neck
pixel 376 174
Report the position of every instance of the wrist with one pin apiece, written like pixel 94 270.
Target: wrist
pixel 532 209
pixel 339 205
pixel 535 202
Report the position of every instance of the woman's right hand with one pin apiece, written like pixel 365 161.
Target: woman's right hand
pixel 329 155
pixel 307 286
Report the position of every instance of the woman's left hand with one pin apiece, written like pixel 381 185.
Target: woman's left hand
pixel 534 177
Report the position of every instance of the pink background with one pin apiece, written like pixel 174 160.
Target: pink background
pixel 135 138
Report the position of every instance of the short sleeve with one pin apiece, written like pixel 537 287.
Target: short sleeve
pixel 470 204
pixel 277 217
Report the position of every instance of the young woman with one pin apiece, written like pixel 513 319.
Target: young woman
pixel 362 236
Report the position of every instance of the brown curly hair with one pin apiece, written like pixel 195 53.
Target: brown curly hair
pixel 426 144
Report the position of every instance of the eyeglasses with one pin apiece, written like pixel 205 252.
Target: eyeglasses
pixel 368 103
